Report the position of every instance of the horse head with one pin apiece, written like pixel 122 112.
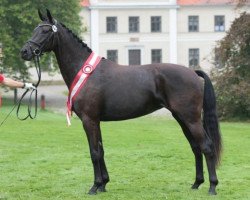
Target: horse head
pixel 43 38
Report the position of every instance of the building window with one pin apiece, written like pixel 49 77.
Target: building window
pixel 112 55
pixel 219 23
pixel 134 57
pixel 217 59
pixel 156 55
pixel 194 57
pixel 111 23
pixel 156 24
pixel 134 24
pixel 193 23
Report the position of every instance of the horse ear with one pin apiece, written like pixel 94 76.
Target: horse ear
pixel 49 16
pixel 41 15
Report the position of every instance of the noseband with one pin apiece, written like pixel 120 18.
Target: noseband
pixel 39 47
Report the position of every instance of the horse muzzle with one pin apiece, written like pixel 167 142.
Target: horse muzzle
pixel 26 53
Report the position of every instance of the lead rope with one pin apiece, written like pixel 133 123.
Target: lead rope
pixel 32 91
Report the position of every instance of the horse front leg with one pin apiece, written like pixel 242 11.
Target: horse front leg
pixel 105 175
pixel 93 132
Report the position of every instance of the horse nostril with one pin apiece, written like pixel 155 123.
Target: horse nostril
pixel 24 51
pixel 25 54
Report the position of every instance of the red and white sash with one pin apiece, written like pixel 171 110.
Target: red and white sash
pixel 79 81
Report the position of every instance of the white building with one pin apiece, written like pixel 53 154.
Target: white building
pixel 145 31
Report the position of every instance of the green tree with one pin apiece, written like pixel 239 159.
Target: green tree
pixel 233 80
pixel 17 21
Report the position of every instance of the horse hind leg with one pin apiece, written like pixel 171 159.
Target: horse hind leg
pixel 199 178
pixel 206 146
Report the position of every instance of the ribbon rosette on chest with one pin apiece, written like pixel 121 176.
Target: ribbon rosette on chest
pixel 87 69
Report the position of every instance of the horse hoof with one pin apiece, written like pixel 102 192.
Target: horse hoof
pixel 212 192
pixel 195 186
pixel 102 188
pixel 93 190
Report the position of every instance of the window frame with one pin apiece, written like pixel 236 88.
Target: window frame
pixel 217 61
pixel 156 24
pixel 192 55
pixel 115 51
pixel 193 23
pixel 134 26
pixel 154 57
pixel 140 56
pixel 221 28
pixel 111 26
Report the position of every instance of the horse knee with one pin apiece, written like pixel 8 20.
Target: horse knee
pixel 98 154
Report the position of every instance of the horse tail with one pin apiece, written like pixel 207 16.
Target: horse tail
pixel 210 118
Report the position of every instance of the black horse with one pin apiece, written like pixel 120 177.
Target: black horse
pixel 116 92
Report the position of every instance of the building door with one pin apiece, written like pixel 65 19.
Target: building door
pixel 134 57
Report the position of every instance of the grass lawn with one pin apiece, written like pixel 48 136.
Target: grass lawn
pixel 147 158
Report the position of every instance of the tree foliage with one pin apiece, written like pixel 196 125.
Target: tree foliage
pixel 233 81
pixel 17 21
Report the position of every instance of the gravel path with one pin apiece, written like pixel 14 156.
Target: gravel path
pixel 55 97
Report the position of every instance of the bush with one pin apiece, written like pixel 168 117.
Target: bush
pixel 232 82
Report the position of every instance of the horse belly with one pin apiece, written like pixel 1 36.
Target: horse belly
pixel 127 105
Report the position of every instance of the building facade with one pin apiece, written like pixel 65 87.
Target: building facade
pixel 140 32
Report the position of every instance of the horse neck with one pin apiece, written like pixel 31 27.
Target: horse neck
pixel 70 55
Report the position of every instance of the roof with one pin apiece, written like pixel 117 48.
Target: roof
pixel 85 3
pixel 205 2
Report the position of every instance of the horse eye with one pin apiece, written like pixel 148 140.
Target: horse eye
pixel 45 31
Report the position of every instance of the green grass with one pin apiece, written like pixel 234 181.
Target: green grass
pixel 147 158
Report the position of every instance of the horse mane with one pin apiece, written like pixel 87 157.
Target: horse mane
pixel 84 45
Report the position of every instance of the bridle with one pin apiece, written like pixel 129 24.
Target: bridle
pixel 37 54
pixel 38 51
